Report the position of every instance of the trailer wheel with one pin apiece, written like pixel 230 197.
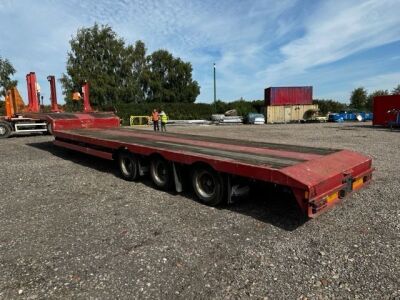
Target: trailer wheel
pixel 161 173
pixel 49 127
pixel 128 166
pixel 5 130
pixel 208 185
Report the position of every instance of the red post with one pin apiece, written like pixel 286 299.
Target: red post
pixel 53 93
pixel 86 102
pixel 33 103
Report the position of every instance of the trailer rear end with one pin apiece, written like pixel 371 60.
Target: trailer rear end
pixel 218 168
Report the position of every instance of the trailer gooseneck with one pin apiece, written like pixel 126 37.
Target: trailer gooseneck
pixel 216 167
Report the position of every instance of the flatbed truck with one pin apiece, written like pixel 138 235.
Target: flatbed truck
pixel 217 168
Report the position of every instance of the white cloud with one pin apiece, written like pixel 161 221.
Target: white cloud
pixel 241 37
pixel 380 82
pixel 336 30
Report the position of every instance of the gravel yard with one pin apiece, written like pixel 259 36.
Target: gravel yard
pixel 71 228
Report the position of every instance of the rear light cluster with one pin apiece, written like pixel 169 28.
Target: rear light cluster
pixel 351 184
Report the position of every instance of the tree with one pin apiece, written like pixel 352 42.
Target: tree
pixel 370 100
pixel 169 79
pixel 134 64
pixel 123 73
pixel 6 71
pixel 327 106
pixel 396 90
pixel 99 56
pixel 358 98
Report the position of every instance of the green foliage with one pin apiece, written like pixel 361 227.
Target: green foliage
pixel 175 111
pixel 169 79
pixel 6 71
pixel 186 111
pixel 99 56
pixel 219 107
pixel 120 73
pixel 370 99
pixel 327 106
pixel 358 99
pixel 242 106
pixel 396 90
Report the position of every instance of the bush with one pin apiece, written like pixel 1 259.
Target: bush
pixel 332 106
pixel 186 111
pixel 175 111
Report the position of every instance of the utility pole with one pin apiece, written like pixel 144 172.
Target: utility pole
pixel 215 92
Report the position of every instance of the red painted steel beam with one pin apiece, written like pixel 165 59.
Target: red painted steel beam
pixel 33 102
pixel 53 93
pixel 86 99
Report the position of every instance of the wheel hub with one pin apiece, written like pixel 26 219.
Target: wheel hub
pixel 205 185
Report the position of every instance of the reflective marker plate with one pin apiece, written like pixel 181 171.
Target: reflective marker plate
pixel 357 183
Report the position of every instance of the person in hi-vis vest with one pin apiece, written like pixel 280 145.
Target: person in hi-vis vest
pixel 164 120
pixel 155 118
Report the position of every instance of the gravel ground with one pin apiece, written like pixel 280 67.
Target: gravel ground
pixel 71 228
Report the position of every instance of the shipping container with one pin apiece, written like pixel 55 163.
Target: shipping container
pixel 382 106
pixel 288 95
pixel 287 113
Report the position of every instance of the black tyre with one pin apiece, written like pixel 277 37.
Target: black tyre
pixel 208 185
pixel 161 173
pixel 128 166
pixel 5 130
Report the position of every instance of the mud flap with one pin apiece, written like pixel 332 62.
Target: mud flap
pixel 235 190
pixel 177 178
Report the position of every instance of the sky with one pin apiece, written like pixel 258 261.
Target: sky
pixel 335 46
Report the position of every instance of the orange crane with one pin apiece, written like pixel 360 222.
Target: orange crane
pixel 15 119
pixel 28 119
pixel 13 103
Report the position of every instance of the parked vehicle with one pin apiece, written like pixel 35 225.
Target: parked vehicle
pixel 254 118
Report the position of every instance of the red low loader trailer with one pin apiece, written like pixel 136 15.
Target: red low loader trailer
pixel 219 168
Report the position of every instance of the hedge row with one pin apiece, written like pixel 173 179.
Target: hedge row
pixel 185 111
pixel 175 111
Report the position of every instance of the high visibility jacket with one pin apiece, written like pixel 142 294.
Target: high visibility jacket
pixel 164 118
pixel 76 96
pixel 155 116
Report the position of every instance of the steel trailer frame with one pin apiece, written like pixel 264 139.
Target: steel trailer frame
pixel 318 178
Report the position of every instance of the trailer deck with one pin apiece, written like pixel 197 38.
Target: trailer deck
pixel 318 177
